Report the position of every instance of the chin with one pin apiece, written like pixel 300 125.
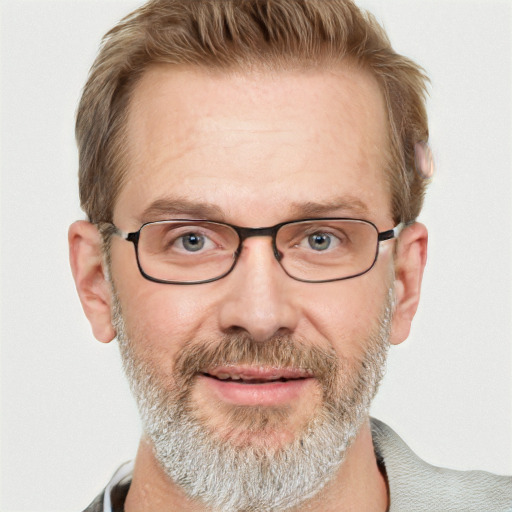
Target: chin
pixel 265 428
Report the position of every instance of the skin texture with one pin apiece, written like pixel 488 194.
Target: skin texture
pixel 256 148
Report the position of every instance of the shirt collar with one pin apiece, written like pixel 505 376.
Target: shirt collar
pixel 123 473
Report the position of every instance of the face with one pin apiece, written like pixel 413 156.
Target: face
pixel 255 363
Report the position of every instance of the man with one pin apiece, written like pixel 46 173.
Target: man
pixel 266 160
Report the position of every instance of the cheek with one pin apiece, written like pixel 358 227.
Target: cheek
pixel 160 325
pixel 347 313
pixel 167 317
pixel 158 313
pixel 160 318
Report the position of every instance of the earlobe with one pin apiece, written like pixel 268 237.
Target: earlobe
pixel 410 260
pixel 86 258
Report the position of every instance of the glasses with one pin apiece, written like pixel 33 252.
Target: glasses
pixel 185 251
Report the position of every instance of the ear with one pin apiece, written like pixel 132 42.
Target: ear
pixel 93 288
pixel 410 260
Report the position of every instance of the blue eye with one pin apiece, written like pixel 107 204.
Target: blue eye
pixel 319 241
pixel 192 242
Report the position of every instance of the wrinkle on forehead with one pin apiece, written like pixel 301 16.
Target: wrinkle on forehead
pixel 214 108
pixel 253 140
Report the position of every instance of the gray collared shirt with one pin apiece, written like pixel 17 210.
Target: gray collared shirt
pixel 414 485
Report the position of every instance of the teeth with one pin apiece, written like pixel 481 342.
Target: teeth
pixel 226 376
pixel 232 376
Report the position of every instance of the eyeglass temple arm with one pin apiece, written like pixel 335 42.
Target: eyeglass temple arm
pixel 109 228
pixel 392 233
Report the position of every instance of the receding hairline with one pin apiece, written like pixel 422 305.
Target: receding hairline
pixel 264 70
pixel 230 35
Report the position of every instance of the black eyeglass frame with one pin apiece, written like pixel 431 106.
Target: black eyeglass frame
pixel 244 233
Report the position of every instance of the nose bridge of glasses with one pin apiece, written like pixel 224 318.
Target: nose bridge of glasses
pixel 245 233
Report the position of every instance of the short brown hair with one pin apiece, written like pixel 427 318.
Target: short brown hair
pixel 234 34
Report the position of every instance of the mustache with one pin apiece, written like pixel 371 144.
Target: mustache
pixel 279 351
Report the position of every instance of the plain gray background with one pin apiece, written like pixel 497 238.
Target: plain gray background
pixel 67 419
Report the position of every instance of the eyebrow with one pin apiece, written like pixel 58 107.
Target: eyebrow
pixel 182 207
pixel 168 207
pixel 349 205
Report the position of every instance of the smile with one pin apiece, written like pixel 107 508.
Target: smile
pixel 256 386
pixel 250 380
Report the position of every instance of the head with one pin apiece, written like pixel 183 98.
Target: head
pixel 250 113
pixel 232 35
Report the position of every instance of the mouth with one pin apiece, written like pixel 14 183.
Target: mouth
pixel 256 386
pixel 258 375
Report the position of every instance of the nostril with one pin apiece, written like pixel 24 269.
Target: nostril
pixel 235 330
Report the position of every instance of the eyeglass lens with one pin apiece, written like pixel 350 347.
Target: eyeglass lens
pixel 318 250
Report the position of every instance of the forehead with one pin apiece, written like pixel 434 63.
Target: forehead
pixel 256 143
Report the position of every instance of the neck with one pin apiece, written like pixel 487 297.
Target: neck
pixel 358 485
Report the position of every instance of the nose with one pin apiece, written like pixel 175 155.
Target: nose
pixel 259 298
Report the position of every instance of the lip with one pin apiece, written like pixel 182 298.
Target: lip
pixel 260 373
pixel 256 386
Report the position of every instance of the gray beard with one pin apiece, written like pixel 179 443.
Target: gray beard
pixel 243 478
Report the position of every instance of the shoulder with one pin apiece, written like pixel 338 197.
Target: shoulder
pixel 113 497
pixel 416 485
